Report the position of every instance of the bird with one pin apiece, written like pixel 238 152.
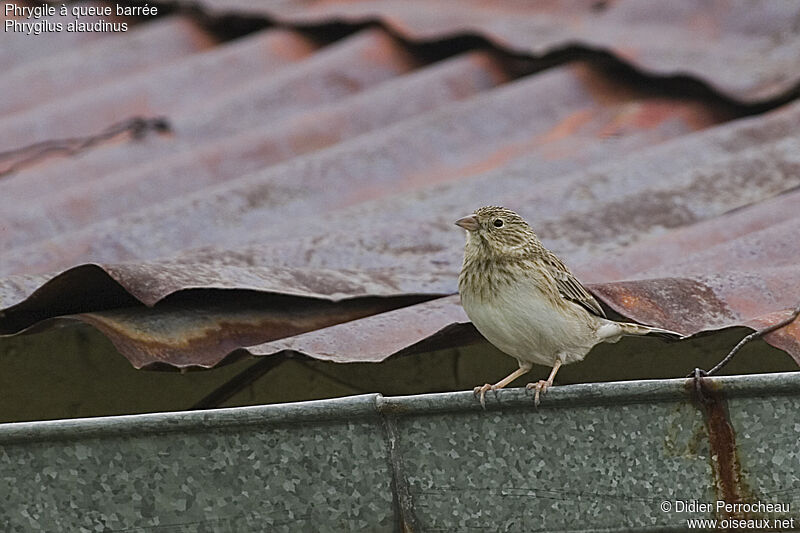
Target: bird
pixel 524 300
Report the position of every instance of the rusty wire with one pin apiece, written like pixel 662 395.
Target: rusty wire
pixel 27 155
pixel 755 335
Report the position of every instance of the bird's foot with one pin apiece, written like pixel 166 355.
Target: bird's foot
pixel 480 393
pixel 539 389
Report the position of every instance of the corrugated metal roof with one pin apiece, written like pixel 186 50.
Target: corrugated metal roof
pixel 748 51
pixel 315 170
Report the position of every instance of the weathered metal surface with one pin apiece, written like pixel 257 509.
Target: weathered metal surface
pixel 98 197
pixel 167 84
pixel 46 80
pixel 420 328
pixel 745 56
pixel 435 462
pixel 202 328
pixel 459 140
pixel 339 70
pixel 212 327
pixel 158 91
pixel 168 489
pixel 688 305
pixel 196 127
pixel 438 250
pixel 333 173
pixel 735 289
pixel 19 49
pixel 687 245
pixel 205 334
pixel 681 182
pixel 151 283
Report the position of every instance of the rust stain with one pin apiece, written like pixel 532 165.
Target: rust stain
pixel 290 45
pixel 442 174
pixel 626 116
pixel 679 304
pixel 729 481
pixel 386 50
pixel 190 334
pixel 786 338
pixel 603 87
pixel 631 301
pixel 792 330
pixel 650 114
pixel 567 127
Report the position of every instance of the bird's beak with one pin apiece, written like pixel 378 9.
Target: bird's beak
pixel 469 223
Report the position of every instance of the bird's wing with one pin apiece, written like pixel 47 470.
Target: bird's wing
pixel 569 287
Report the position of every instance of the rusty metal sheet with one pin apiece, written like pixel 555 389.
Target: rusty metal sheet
pixel 92 286
pixel 48 79
pixel 339 70
pixel 748 51
pixel 204 328
pixel 342 69
pixel 203 331
pixel 160 88
pixel 575 108
pixel 721 297
pixel 786 338
pixel 28 215
pixel 269 98
pixel 705 302
pixel 659 251
pixel 443 321
pixel 582 215
pixel 19 48
pixel 425 327
pixel 304 222
pixel 682 304
pixel 769 248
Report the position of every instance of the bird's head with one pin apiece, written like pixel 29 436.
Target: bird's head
pixel 496 230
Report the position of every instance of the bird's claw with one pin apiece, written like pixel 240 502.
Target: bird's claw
pixel 539 389
pixel 480 393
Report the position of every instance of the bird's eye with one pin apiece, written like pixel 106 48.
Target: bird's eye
pixel 498 223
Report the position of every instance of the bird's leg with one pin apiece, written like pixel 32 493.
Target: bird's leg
pixel 541 386
pixel 480 392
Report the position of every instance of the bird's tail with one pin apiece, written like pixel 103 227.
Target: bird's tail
pixel 629 328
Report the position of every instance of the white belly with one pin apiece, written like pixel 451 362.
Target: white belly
pixel 524 324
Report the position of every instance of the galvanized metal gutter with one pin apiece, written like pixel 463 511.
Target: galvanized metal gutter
pixel 592 457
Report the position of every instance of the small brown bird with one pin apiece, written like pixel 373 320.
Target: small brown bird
pixel 525 301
